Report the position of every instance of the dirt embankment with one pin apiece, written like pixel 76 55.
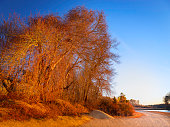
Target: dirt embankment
pixel 99 115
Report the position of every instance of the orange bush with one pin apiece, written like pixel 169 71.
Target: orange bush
pixel 20 110
pixel 113 107
pixel 126 109
pixel 64 108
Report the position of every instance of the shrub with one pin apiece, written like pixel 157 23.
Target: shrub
pixel 106 104
pixel 126 109
pixel 65 108
pixel 20 110
pixel 3 97
pixel 113 107
pixel 80 109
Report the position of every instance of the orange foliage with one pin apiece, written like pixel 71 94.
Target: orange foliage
pixel 111 107
pixel 66 108
pixel 69 56
pixel 61 62
pixel 20 110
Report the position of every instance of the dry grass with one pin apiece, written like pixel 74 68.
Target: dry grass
pixel 20 110
pixel 60 121
pixel 16 113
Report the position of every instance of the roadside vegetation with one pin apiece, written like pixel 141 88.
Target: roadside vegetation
pixel 116 106
pixel 54 66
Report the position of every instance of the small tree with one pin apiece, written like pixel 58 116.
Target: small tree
pixel 167 99
pixel 122 98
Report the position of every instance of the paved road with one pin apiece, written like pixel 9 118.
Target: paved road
pixel 148 120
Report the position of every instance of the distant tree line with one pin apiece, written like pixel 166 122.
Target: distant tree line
pixel 43 58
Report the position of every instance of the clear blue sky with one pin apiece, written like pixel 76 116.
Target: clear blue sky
pixel 143 29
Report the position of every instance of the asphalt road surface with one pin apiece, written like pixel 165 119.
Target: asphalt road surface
pixel 147 120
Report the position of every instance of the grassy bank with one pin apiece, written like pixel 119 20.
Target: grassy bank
pixel 16 113
pixel 60 121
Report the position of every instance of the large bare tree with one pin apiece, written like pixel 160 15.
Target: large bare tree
pixel 57 57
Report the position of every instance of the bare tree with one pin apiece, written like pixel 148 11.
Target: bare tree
pixel 69 57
